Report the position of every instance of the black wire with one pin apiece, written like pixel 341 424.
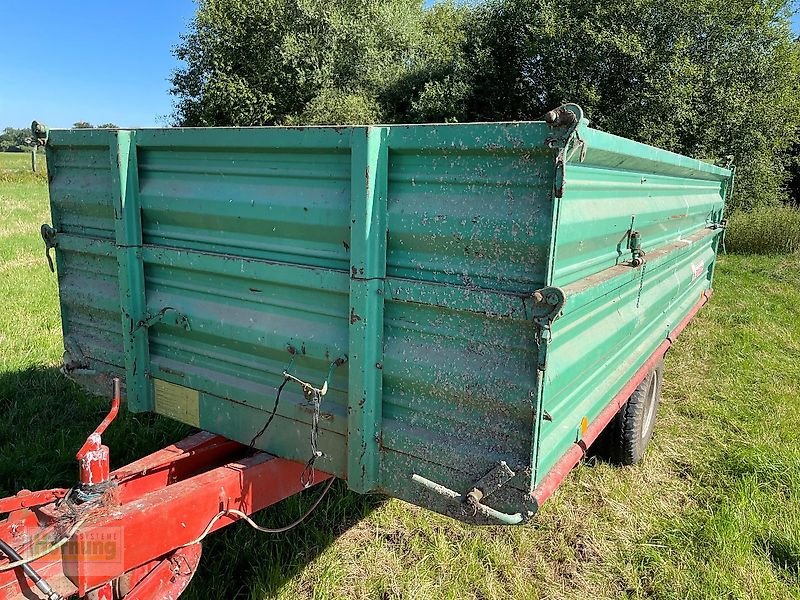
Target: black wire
pixel 271 416
pixel 310 510
pixel 40 583
pixel 307 476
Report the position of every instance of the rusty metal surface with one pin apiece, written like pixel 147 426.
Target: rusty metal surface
pixel 413 252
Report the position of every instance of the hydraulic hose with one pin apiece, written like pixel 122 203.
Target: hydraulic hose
pixel 40 583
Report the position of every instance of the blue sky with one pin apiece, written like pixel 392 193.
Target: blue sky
pixel 93 60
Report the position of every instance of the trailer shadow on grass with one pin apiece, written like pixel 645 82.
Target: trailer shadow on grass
pixel 44 420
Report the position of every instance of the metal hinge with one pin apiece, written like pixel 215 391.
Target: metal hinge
pixel 75 361
pixel 492 481
pixel 40 133
pixel 635 246
pixel 547 305
pixel 566 118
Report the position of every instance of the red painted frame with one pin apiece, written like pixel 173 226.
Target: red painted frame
pixel 161 504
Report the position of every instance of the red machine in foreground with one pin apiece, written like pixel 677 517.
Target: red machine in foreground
pixel 135 533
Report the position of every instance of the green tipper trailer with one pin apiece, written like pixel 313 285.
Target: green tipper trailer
pixel 448 314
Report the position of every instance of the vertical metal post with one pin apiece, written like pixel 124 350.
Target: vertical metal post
pixel 94 457
pixel 128 229
pixel 367 273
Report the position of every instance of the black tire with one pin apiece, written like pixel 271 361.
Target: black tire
pixel 632 427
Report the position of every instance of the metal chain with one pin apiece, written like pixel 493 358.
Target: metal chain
pixel 307 476
pixel 641 285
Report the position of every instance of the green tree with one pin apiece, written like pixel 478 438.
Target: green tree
pixel 13 138
pixel 265 62
pixel 87 125
pixel 708 78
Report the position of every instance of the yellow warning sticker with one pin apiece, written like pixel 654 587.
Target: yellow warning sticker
pixel 177 402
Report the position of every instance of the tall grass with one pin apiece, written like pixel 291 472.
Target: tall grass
pixel 766 230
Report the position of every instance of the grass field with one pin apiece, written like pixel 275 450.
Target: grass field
pixel 766 230
pixel 713 512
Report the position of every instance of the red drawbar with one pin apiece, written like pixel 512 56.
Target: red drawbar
pixel 574 455
pixel 147 522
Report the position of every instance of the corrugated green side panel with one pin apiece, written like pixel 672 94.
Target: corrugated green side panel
pixel 215 259
pixel 83 214
pixel 621 185
pixel 410 251
pixel 616 315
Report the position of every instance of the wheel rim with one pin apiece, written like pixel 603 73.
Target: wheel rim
pixel 652 391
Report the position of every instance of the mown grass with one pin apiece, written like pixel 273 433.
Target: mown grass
pixel 765 230
pixel 713 512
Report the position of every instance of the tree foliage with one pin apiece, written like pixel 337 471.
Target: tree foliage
pixel 13 139
pixel 87 125
pixel 708 78
pixel 266 62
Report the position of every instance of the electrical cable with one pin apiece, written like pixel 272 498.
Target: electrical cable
pixel 37 579
pixel 22 562
pixel 272 414
pixel 307 476
pixel 237 513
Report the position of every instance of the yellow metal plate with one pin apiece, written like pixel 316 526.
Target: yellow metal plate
pixel 177 402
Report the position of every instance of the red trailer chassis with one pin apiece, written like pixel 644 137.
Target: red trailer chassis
pixel 134 533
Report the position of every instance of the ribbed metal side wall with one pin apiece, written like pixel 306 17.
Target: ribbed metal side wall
pixel 615 314
pixel 249 239
pixel 413 252
pixel 476 219
pixel 604 336
pixel 247 233
pixel 83 214
pixel 601 205
pixel 469 207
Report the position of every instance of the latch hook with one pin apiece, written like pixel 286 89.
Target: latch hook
pixel 49 237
